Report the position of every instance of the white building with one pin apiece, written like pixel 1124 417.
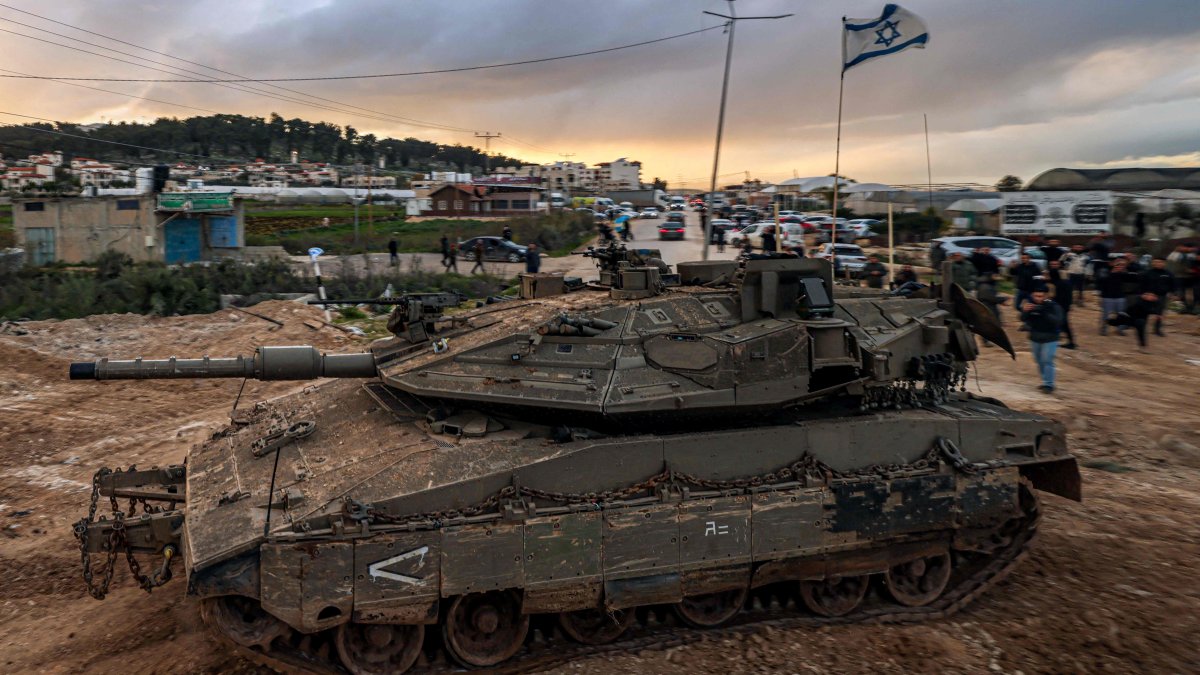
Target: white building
pixel 619 174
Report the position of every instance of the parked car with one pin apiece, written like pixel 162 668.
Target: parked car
pixel 793 234
pixel 845 235
pixel 494 248
pixel 864 226
pixel 850 257
pixel 1005 250
pixel 670 230
pixel 649 212
pixel 798 214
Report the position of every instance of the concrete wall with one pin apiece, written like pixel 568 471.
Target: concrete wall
pixel 83 228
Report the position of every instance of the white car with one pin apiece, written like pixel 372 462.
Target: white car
pixel 793 234
pixel 649 212
pixel 850 257
pixel 864 227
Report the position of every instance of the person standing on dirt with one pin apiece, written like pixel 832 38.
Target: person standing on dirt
pixel 875 272
pixel 1161 283
pixel 986 264
pixel 394 250
pixel 1052 250
pixel 533 259
pixel 1062 295
pixel 1024 274
pixel 1044 318
pixel 450 262
pixel 1075 263
pixel 479 251
pixel 1183 263
pixel 445 250
pixel 1110 278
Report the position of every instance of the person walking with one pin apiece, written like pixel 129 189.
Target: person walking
pixel 1024 274
pixel 962 272
pixel 875 272
pixel 1044 318
pixel 479 253
pixel 1137 314
pixel 719 235
pixel 1109 278
pixel 394 250
pixel 1185 265
pixel 451 260
pixel 986 264
pixel 1075 263
pixel 768 240
pixel 1060 284
pixel 1161 283
pixel 445 241
pixel 533 259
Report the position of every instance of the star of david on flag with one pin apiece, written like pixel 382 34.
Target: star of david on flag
pixel 895 30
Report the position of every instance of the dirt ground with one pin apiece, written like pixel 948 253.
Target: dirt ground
pixel 1110 585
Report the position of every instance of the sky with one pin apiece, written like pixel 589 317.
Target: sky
pixel 1008 86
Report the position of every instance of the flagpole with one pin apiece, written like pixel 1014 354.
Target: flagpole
pixel 837 155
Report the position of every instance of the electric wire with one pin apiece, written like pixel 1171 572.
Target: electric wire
pixel 102 140
pixel 438 71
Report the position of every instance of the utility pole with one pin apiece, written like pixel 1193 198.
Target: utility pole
pixel 487 149
pixel 566 155
pixel 730 22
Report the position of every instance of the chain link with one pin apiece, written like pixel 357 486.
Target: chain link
pixel 117 540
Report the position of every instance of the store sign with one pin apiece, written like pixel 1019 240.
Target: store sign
pixel 193 202
pixel 1057 213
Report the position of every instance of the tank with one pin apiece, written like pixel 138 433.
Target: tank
pixel 593 468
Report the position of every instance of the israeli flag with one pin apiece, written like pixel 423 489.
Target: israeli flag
pixel 865 39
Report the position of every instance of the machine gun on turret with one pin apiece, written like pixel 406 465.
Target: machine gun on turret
pixel 630 274
pixel 413 314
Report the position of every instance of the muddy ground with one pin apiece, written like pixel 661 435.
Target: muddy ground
pixel 1110 585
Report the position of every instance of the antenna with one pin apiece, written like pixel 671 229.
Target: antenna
pixel 487 149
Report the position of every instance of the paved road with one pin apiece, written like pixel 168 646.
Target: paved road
pixel 645 232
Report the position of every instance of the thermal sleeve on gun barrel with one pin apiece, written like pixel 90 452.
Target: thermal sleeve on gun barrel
pixel 268 363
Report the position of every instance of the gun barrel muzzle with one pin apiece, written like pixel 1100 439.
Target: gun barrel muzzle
pixel 267 363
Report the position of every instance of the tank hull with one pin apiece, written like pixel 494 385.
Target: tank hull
pixel 612 524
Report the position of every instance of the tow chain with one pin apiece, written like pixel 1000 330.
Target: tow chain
pixel 807 467
pixel 117 540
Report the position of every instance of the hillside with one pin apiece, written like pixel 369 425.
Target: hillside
pixel 233 139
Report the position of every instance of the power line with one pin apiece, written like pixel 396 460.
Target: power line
pixel 118 93
pixel 379 75
pixel 234 87
pixel 207 67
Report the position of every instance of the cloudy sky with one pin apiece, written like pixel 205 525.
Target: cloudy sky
pixel 1009 86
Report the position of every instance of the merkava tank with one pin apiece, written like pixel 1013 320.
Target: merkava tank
pixel 583 462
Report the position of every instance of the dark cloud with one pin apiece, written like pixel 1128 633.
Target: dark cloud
pixel 1008 86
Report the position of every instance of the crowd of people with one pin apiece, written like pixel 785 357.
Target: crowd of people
pixel 1130 295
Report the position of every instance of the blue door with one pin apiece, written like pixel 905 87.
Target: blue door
pixel 39 245
pixel 183 240
pixel 222 232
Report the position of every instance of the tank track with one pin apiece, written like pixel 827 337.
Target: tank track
pixel 547 647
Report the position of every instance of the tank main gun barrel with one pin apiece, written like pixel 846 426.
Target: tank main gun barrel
pixel 267 363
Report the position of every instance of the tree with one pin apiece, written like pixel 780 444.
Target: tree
pixel 659 184
pixel 1009 183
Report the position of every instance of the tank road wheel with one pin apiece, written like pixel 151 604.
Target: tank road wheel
pixel 242 620
pixel 483 629
pixel 595 626
pixel 711 609
pixel 836 596
pixel 918 582
pixel 378 649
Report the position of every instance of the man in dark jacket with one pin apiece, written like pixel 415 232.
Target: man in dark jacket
pixel 445 251
pixel 768 237
pixel 1159 281
pixel 1109 279
pixel 985 263
pixel 1052 250
pixel 1061 283
pixel 906 275
pixel 479 253
pixel 506 233
pixel 533 259
pixel 1044 318
pixel 393 250
pixel 1137 314
pixel 875 272
pixel 1024 274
